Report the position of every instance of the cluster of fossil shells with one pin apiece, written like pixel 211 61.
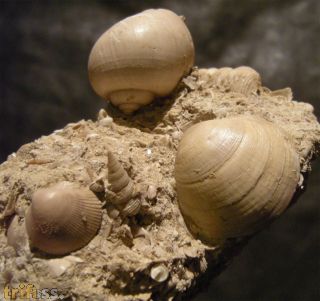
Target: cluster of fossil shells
pixel 65 217
pixel 142 57
pixel 233 176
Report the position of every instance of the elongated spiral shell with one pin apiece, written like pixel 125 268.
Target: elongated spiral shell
pixel 121 186
pixel 63 218
pixel 233 176
pixel 141 57
pixel 244 80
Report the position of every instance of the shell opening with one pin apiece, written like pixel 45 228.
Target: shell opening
pixel 131 100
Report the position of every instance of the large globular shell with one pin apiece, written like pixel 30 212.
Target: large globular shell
pixel 63 218
pixel 233 176
pixel 121 188
pixel 141 57
pixel 244 80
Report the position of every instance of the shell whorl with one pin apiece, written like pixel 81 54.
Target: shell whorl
pixel 131 100
pixel 233 176
pixel 132 207
pixel 140 58
pixel 63 218
pixel 120 184
pixel 244 80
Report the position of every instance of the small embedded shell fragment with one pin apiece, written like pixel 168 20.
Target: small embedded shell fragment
pixel 141 57
pixel 58 266
pixel 151 192
pixel 244 80
pixel 233 176
pixel 132 207
pixel 97 185
pixel 159 273
pixel 63 218
pixel 121 187
pixel 16 235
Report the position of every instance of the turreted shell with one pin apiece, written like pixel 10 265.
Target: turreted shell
pixel 141 57
pixel 63 218
pixel 233 176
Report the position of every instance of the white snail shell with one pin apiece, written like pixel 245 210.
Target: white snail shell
pixel 140 58
pixel 159 273
pixel 233 176
pixel 63 218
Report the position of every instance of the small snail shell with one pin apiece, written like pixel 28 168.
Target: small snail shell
pixel 159 273
pixel 233 176
pixel 244 80
pixel 132 207
pixel 140 58
pixel 97 185
pixel 121 187
pixel 63 218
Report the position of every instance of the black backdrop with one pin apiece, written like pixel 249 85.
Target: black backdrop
pixel 43 60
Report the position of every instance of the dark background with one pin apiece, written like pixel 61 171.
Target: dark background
pixel 43 62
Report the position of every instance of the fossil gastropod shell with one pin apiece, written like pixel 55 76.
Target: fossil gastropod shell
pixel 132 207
pixel 121 188
pixel 63 218
pixel 141 57
pixel 243 79
pixel 233 176
pixel 159 273
pixel 121 191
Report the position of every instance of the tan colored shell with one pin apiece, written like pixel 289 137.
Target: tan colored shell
pixel 132 207
pixel 244 80
pixel 140 58
pixel 63 218
pixel 121 187
pixel 97 185
pixel 233 176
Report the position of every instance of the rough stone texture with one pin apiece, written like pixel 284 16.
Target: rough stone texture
pixel 118 262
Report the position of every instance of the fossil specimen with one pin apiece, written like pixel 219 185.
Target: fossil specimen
pixel 142 57
pixel 152 256
pixel 121 188
pixel 242 79
pixel 62 218
pixel 233 176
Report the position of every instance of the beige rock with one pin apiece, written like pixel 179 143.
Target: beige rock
pixel 133 256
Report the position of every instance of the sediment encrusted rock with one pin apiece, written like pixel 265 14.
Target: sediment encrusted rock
pixel 149 256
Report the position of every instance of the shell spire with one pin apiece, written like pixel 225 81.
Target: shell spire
pixel 121 187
